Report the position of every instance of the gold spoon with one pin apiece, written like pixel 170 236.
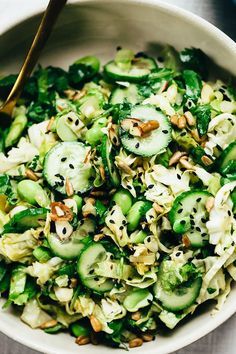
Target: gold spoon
pixel 40 39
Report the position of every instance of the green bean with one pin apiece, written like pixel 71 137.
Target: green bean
pixel 90 61
pixel 95 134
pixel 79 202
pixel 17 127
pixel 32 193
pixel 124 199
pixel 78 329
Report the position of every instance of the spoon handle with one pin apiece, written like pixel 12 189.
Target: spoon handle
pixel 43 32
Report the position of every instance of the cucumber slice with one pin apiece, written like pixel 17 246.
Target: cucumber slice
pixel 66 160
pixel 128 94
pixel 26 219
pixel 228 155
pixel 86 268
pixel 63 130
pixel 136 212
pixel 139 71
pixel 181 298
pixel 66 250
pixel 107 159
pixel 189 215
pixel 158 139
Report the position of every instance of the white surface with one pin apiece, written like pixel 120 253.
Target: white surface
pixel 223 339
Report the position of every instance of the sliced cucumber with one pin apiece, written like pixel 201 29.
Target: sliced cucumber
pixel 26 219
pixel 66 160
pixel 180 299
pixel 139 71
pixel 69 249
pixel 108 161
pixel 228 157
pixel 62 128
pixel 189 216
pixel 127 94
pixel 86 267
pixel 158 139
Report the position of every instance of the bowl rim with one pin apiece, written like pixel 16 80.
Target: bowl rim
pixel 203 24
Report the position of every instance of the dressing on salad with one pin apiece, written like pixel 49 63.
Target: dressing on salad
pixel 118 196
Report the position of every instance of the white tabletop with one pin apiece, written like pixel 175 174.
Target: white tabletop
pixel 222 13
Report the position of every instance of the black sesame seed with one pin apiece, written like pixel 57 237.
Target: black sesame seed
pixel 118 47
pixel 183 133
pixel 57 175
pixel 112 212
pixel 121 227
pixel 178 176
pixel 91 271
pixel 165 131
pixel 149 239
pixel 198 200
pixel 96 279
pixel 123 222
pixel 77 122
pixel 182 222
pixel 129 187
pixel 137 145
pixel 64 230
pixel 198 229
pixel 195 210
pixel 192 222
pixel 203 220
pixel 180 211
pixel 229 212
pixel 150 186
pixel 191 216
pixel 178 254
pixel 63 159
pixel 70 119
pixel 204 234
pixel 71 166
pixel 112 221
pixel 135 124
pixel 60 184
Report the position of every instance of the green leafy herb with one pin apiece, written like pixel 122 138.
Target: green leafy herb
pixel 203 116
pixel 193 84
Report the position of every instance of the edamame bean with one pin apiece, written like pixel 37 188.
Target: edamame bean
pixel 95 134
pixel 90 61
pixel 134 215
pixel 138 237
pixel 32 193
pixel 78 329
pixel 17 127
pixel 79 202
pixel 182 226
pixel 137 299
pixel 124 199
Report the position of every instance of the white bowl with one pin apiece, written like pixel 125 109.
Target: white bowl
pixel 97 27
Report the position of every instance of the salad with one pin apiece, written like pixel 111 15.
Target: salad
pixel 117 196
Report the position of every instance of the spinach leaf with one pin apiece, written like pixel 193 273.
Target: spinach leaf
pixel 195 59
pixel 193 84
pixel 6 84
pixel 79 74
pixel 203 116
